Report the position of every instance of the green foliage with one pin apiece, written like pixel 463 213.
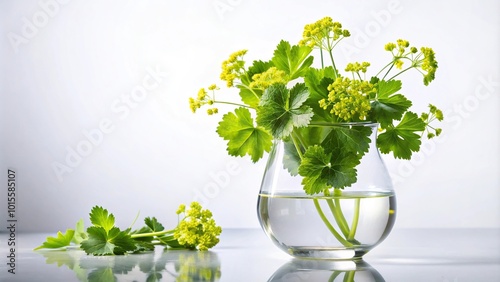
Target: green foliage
pixel 294 60
pixel 281 110
pixel 104 238
pixel 101 217
pixel 402 139
pixel 244 138
pixel 333 162
pixel 61 241
pixel 107 242
pixel 388 106
pixel 322 97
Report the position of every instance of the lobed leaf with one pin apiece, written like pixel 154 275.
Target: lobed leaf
pixel 62 240
pixel 243 137
pixel 281 110
pixel 402 139
pixel 107 242
pixel 100 217
pixel 153 224
pixel 294 60
pixel 388 106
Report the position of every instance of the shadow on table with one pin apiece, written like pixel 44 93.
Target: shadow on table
pixel 172 265
pixel 317 270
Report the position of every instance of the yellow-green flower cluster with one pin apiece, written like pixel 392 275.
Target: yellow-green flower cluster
pixel 233 67
pixel 429 64
pixel 349 99
pixel 269 77
pixel 323 33
pixel 203 99
pixel 398 50
pixel 433 114
pixel 197 230
pixel 357 67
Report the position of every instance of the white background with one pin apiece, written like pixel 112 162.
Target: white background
pixel 71 68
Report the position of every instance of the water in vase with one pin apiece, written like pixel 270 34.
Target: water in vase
pixel 336 227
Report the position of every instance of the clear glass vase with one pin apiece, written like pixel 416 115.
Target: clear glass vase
pixel 336 224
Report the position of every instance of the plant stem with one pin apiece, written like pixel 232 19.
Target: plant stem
pixel 329 225
pixel 349 276
pixel 297 146
pixel 152 234
pixel 410 67
pixel 231 103
pixel 334 275
pixel 355 219
pixel 336 210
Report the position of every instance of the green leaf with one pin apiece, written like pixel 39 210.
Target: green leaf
pixel 322 170
pixel 153 224
pixel 333 163
pixel 281 110
pixel 250 96
pixel 62 240
pixel 107 242
pixel 294 60
pixel 80 233
pixel 388 106
pixel 313 164
pixel 308 136
pixel 317 82
pixel 291 158
pixel 343 140
pixel 100 217
pixel 402 139
pixel 244 138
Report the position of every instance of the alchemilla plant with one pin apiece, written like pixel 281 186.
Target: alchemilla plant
pixel 288 98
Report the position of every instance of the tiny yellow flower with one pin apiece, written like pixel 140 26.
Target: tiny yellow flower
pixel 233 67
pixel 323 33
pixel 268 78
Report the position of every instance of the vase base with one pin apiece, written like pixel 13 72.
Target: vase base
pixel 326 253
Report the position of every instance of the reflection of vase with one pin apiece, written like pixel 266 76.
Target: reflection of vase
pixel 314 270
pixel 337 223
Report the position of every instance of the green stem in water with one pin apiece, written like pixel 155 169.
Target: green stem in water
pixel 329 225
pixel 355 219
pixel 334 275
pixel 349 276
pixel 336 210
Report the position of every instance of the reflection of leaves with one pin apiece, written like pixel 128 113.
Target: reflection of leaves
pixel 181 265
pixel 68 258
pixel 102 275
pixel 153 267
pixel 197 266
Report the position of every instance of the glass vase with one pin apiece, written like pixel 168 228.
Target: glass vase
pixel 340 223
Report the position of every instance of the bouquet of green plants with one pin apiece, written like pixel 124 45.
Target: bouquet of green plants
pixel 196 230
pixel 288 98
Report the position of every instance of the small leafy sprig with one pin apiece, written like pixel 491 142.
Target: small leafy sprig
pixel 195 230
pixel 287 98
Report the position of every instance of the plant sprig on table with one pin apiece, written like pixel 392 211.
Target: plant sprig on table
pixel 287 98
pixel 196 230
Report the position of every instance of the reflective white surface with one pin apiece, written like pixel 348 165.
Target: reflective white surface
pixel 444 255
